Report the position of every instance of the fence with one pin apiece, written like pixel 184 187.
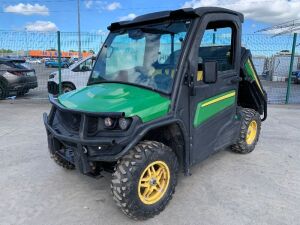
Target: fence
pixel 271 57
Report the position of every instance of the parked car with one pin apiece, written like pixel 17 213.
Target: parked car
pixel 15 77
pixel 296 77
pixel 46 60
pixel 54 63
pixel 76 76
pixel 33 61
pixel 73 60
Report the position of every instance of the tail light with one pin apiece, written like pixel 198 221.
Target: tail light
pixel 17 73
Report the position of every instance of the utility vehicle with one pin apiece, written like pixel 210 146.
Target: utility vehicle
pixel 167 90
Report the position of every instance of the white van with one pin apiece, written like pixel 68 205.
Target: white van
pixel 74 77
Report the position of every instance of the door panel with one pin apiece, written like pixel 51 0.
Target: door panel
pixel 213 123
pixel 211 106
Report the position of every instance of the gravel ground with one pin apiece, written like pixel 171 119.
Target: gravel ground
pixel 259 188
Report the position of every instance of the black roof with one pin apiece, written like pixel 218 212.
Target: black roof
pixel 12 60
pixel 174 14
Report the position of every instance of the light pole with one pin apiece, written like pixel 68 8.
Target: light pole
pixel 79 38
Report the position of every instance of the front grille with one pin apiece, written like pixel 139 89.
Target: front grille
pixel 92 125
pixel 69 120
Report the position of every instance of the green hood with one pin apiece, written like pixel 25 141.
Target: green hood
pixel 116 97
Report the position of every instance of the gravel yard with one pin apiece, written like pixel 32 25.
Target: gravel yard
pixel 259 188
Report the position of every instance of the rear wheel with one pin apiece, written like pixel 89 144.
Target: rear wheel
pixel 2 92
pixel 249 131
pixel 144 180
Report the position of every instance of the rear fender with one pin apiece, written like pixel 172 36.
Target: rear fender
pixel 251 92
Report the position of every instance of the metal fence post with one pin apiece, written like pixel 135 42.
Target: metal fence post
pixel 59 63
pixel 291 70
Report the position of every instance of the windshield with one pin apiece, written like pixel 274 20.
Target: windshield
pixel 145 56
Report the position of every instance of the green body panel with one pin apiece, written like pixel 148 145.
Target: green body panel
pixel 249 70
pixel 252 74
pixel 116 97
pixel 211 106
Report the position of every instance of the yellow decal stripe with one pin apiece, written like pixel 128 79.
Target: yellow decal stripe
pixel 218 99
pixel 199 75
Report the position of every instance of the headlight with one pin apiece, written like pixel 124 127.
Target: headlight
pixel 108 122
pixel 121 123
pixel 124 123
pixel 52 75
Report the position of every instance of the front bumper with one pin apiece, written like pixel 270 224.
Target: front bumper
pixel 53 88
pixel 18 87
pixel 85 147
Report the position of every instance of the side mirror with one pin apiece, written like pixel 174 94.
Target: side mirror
pixel 85 68
pixel 210 71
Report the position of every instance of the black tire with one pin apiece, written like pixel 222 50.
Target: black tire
pixel 248 117
pixel 67 87
pixel 3 91
pixel 22 93
pixel 62 162
pixel 127 175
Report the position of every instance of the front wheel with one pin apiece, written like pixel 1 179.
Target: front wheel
pixel 144 180
pixel 249 131
pixel 62 162
pixel 67 87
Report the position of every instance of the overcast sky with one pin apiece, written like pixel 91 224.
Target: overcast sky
pixel 52 15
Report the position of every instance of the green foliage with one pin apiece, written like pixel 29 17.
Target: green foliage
pixel 2 50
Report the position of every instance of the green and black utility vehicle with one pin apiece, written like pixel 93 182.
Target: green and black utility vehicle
pixel 167 90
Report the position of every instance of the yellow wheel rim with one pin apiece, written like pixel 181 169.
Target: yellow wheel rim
pixel 154 182
pixel 251 132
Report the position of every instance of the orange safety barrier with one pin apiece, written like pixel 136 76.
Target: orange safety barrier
pixel 54 54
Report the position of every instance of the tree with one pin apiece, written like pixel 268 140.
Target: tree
pixel 2 50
